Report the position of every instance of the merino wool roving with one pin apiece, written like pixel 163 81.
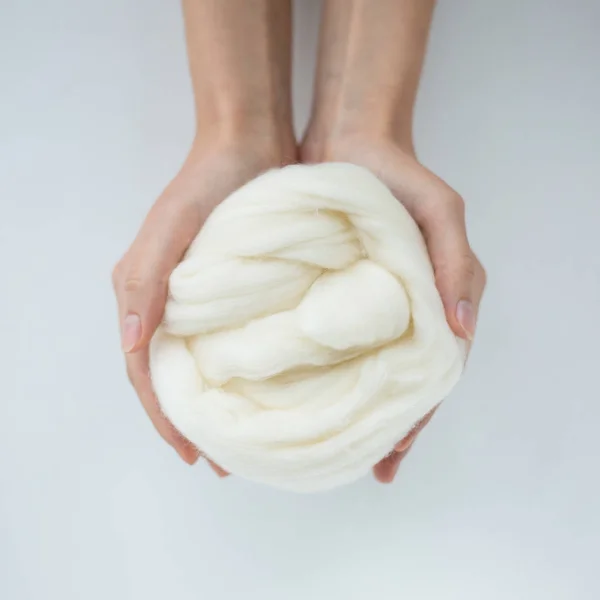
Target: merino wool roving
pixel 304 335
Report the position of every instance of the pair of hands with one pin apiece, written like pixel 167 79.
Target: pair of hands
pixel 214 170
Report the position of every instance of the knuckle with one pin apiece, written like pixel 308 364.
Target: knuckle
pixel 440 209
pixel 479 271
pixel 456 202
pixel 468 265
pixel 133 283
pixel 483 274
pixel 126 279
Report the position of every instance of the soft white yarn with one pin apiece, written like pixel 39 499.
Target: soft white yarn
pixel 304 335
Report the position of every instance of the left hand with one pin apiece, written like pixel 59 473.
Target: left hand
pixel 440 213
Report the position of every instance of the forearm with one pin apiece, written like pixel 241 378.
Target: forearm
pixel 239 56
pixel 370 60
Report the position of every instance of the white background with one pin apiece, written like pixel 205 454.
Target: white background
pixel 499 498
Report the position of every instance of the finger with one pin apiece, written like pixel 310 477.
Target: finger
pixel 214 466
pixel 141 280
pixel 386 469
pixel 456 267
pixel 217 469
pixel 138 372
pixel 409 439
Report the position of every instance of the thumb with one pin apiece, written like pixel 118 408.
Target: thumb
pixel 456 267
pixel 142 299
pixel 141 278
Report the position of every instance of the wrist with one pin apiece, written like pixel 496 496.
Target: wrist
pixel 330 131
pixel 342 145
pixel 270 143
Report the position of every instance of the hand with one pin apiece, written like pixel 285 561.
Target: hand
pixel 440 213
pixel 211 172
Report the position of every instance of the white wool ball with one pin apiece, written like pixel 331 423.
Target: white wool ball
pixel 304 335
pixel 333 310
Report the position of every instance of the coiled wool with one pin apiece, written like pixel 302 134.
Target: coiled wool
pixel 304 335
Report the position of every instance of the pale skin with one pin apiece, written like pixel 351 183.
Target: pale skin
pixel 369 64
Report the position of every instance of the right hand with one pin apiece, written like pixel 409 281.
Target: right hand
pixel 140 278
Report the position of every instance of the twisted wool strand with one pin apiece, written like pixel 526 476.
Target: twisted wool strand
pixel 304 335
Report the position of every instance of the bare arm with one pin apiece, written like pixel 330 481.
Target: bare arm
pixel 370 60
pixel 239 55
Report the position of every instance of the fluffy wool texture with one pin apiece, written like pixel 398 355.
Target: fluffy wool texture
pixel 304 335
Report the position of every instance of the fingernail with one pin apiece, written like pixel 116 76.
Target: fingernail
pixel 466 317
pixel 132 332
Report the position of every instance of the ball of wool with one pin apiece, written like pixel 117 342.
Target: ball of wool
pixel 304 335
